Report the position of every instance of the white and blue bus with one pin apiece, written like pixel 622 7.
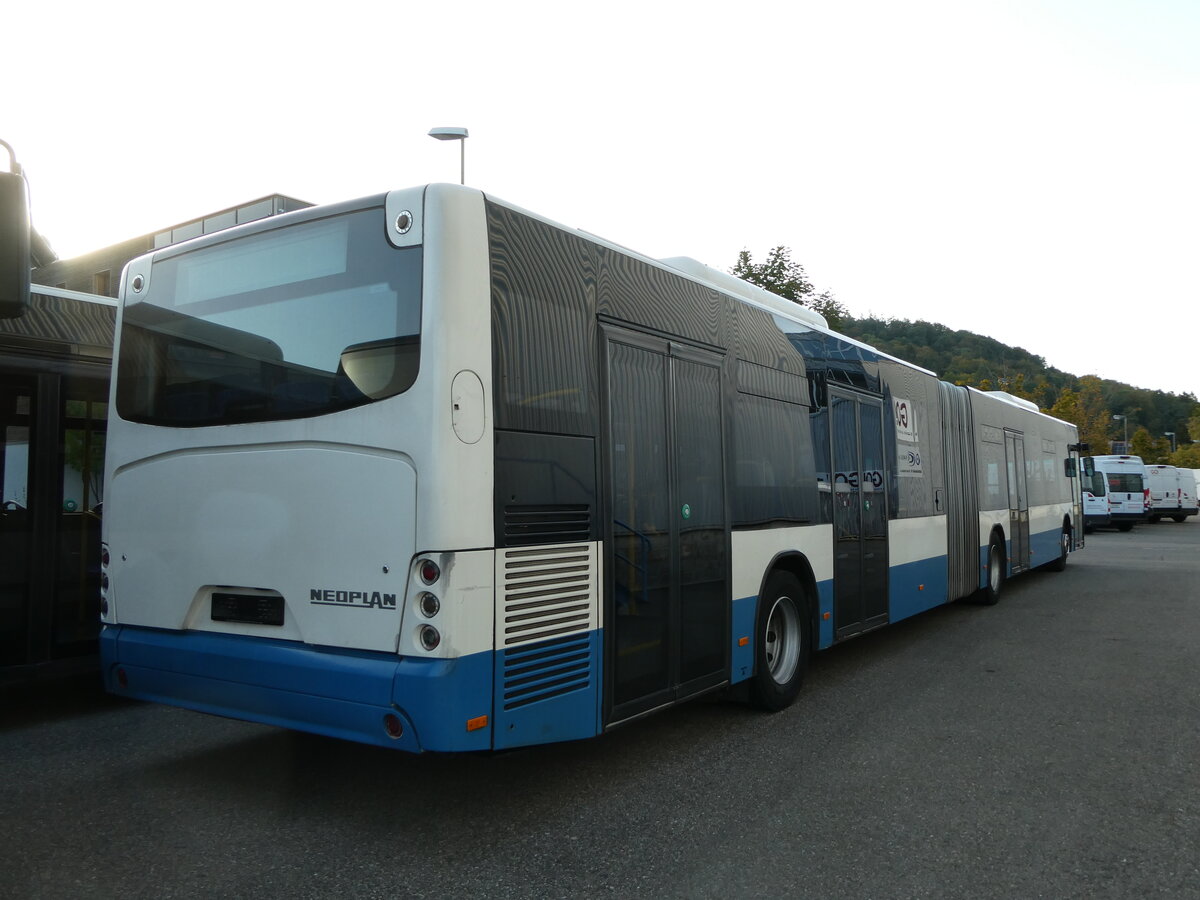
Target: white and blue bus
pixel 429 471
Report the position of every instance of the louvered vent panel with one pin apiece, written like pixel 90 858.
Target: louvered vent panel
pixel 548 592
pixel 526 525
pixel 549 669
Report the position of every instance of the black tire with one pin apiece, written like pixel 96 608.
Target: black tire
pixel 783 632
pixel 1064 549
pixel 1154 520
pixel 1124 526
pixel 996 564
pixel 1179 519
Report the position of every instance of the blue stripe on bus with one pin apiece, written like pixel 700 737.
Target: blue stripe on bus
pixel 741 661
pixel 917 586
pixel 825 608
pixel 330 691
pixel 1043 548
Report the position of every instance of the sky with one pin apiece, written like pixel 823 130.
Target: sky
pixel 1024 170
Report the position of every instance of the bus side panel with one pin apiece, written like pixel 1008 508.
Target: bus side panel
pixel 917 580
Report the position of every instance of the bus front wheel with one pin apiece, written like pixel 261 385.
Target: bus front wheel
pixel 784 639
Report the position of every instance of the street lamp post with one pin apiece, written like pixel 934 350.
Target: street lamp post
pixel 454 134
pixel 1125 422
pixel 1171 435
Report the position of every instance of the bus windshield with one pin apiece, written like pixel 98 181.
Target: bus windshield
pixel 298 321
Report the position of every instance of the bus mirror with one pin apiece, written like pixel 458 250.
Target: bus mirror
pixel 1070 467
pixel 14 246
pixel 1089 467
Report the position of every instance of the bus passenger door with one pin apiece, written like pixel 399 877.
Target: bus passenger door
pixel 1018 502
pixel 860 548
pixel 667 605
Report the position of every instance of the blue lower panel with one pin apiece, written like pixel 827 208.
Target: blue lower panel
pixel 340 693
pixel 548 691
pixel 1045 547
pixel 825 604
pixel 742 658
pixel 917 586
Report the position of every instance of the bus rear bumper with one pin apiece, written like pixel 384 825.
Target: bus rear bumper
pixel 335 692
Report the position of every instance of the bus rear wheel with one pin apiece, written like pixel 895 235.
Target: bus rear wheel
pixel 783 642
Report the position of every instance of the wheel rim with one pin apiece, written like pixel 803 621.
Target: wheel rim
pixel 994 568
pixel 1065 543
pixel 782 640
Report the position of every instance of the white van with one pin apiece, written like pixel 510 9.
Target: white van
pixel 1095 500
pixel 1128 496
pixel 1172 493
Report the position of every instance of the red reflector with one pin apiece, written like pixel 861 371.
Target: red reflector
pixel 393 726
pixel 122 678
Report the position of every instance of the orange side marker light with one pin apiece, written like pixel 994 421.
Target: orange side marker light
pixel 476 723
pixel 743 641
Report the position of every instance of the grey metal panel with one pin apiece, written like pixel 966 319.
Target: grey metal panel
pixel 962 505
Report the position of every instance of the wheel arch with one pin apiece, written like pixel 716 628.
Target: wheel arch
pixel 795 563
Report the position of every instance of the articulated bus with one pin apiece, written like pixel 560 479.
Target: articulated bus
pixel 428 471
pixel 55 360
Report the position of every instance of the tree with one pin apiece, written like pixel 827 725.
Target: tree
pixel 1094 418
pixel 1067 408
pixel 779 274
pixel 1150 449
pixel 1187 457
pixel 1193 425
pixel 832 309
pixel 782 275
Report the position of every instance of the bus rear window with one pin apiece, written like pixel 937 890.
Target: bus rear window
pixel 298 321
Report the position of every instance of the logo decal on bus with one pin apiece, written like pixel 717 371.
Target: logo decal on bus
pixel 906 426
pixel 361 599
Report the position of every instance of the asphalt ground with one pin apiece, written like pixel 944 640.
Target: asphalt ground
pixel 1045 747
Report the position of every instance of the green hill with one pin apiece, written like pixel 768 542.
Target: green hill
pixel 963 357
